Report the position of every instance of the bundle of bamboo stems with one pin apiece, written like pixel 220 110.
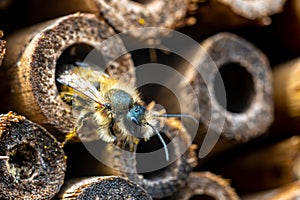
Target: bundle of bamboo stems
pixel 246 78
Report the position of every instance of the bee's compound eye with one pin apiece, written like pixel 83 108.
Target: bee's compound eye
pixel 107 105
pixel 137 111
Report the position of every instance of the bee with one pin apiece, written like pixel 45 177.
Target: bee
pixel 115 106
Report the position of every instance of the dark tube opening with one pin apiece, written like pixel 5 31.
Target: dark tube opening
pixel 202 197
pixel 143 2
pixel 22 163
pixel 239 87
pixel 78 55
pixel 163 96
pixel 146 162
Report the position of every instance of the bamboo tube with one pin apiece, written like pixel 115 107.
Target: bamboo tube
pixel 287 97
pixel 35 165
pixel 203 17
pixel 2 47
pixel 105 187
pixel 266 167
pixel 255 9
pixel 205 185
pixel 158 178
pixel 288 192
pixel 246 104
pixel 121 15
pixel 35 58
pixel 287 28
pixel 4 4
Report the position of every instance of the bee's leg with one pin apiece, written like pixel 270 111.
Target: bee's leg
pixel 66 96
pixel 68 137
pixel 130 143
pixel 111 131
pixel 73 133
pixel 134 143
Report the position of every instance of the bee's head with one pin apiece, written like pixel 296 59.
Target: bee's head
pixel 136 114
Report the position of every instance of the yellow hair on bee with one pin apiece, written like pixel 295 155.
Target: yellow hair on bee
pixel 108 83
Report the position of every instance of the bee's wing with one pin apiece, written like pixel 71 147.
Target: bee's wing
pixel 81 85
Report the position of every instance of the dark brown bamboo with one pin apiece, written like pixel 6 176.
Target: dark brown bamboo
pixel 105 187
pixel 205 185
pixel 247 80
pixel 287 97
pixel 288 192
pixel 287 28
pixel 2 47
pixel 35 165
pixel 169 179
pixel 256 169
pixel 4 4
pixel 32 65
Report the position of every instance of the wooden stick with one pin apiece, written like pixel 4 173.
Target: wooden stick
pixel 2 47
pixel 290 191
pixel 167 178
pixel 207 186
pixel 34 165
pixel 260 168
pixel 287 97
pixel 31 65
pixel 246 104
pixel 105 187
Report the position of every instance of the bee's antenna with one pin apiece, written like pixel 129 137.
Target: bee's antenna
pixel 179 115
pixel 162 141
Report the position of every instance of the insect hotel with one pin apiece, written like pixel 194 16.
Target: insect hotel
pixel 150 99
